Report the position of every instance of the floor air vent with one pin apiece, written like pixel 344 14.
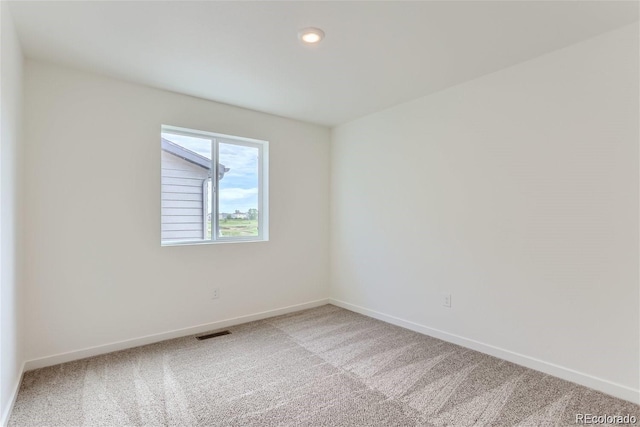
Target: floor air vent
pixel 212 335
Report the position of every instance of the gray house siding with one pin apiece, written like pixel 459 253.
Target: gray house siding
pixel 183 201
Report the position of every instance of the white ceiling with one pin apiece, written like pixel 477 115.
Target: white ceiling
pixel 375 54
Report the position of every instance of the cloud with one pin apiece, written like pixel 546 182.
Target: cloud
pixel 243 161
pixel 229 194
pixel 241 199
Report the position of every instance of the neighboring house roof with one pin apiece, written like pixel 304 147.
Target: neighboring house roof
pixel 191 157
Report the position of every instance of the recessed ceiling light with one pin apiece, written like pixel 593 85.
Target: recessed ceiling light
pixel 311 35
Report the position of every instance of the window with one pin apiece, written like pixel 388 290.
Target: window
pixel 214 187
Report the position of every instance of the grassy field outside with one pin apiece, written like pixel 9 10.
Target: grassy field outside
pixel 237 227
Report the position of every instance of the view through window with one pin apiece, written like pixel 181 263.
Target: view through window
pixel 213 187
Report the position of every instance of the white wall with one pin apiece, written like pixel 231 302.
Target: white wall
pixel 96 273
pixel 518 194
pixel 10 132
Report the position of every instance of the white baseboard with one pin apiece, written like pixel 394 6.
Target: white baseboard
pixel 150 339
pixel 4 421
pixel 608 387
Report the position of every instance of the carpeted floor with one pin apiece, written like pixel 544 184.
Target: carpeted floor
pixel 321 367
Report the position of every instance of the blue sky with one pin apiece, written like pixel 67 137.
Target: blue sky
pixel 239 187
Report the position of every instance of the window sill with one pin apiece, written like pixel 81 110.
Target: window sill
pixel 216 242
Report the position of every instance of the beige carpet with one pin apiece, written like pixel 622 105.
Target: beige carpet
pixel 320 367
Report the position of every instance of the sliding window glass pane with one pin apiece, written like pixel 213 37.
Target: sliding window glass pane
pixel 238 196
pixel 185 176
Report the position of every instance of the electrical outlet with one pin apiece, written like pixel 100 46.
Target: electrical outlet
pixel 215 294
pixel 446 299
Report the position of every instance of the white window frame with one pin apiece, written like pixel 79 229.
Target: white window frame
pixel 263 186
